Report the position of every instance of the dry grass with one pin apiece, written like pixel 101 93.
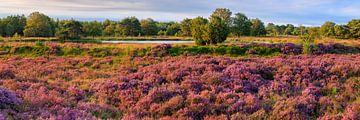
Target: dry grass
pixel 294 39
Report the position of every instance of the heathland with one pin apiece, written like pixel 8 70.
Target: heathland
pixel 236 69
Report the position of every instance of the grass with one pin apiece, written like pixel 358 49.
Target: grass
pixel 293 39
pixel 135 50
pixel 281 39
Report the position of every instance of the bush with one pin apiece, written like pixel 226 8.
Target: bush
pixel 8 99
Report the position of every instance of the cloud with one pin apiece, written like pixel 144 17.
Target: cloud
pixel 312 12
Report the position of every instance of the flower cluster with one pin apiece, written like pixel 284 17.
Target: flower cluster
pixel 184 87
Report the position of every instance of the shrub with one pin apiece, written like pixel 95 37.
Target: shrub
pixel 8 99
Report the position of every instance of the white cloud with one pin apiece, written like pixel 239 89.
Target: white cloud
pixel 278 11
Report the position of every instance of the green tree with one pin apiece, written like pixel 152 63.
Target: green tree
pixel 257 28
pixel 241 25
pixel 69 29
pixel 313 32
pixel 1 28
pixel 272 29
pixel 216 31
pixel 185 27
pixel 289 29
pixel 327 29
pixel 173 30
pixel 129 26
pixel 341 31
pixel 38 25
pixel 109 28
pixel 13 24
pixel 148 27
pixel 198 26
pixel 354 28
pixel 223 13
pixel 92 28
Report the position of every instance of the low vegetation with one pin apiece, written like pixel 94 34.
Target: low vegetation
pixel 184 87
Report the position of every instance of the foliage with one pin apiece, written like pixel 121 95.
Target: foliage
pixel 185 27
pixel 8 99
pixel 257 28
pixel 216 31
pixel 308 43
pixel 92 28
pixel 38 25
pixel 148 27
pixel 129 26
pixel 12 24
pixel 198 30
pixel 69 29
pixel 341 31
pixel 224 14
pixel 184 87
pixel 327 29
pixel 241 25
pixel 354 28
pixel 173 29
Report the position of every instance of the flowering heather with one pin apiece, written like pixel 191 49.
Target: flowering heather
pixel 184 87
pixel 8 99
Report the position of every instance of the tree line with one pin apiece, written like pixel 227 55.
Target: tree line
pixel 216 28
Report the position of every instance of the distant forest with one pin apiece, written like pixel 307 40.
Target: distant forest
pixel 236 25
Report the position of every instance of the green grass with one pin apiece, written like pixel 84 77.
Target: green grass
pixel 229 50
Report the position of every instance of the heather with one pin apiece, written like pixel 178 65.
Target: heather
pixel 183 87
pixel 245 49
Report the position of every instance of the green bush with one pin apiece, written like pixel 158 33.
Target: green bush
pixel 33 51
pixel 100 52
pixel 73 51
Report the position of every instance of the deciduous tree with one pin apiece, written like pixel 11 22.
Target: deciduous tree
pixel 327 29
pixel 148 27
pixel 38 25
pixel 223 13
pixel 354 28
pixel 185 27
pixel 69 29
pixel 198 29
pixel 257 28
pixel 92 28
pixel 241 25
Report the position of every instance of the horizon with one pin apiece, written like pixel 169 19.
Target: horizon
pixel 306 12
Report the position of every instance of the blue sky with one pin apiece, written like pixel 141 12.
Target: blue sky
pixel 306 12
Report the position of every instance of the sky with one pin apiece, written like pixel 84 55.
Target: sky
pixel 304 12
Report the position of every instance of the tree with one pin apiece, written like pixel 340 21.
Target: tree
pixel 257 28
pixel 109 28
pixel 198 29
pixel 92 29
pixel 38 25
pixel 241 25
pixel 223 13
pixel 185 27
pixel 354 28
pixel 13 24
pixel 173 30
pixel 341 31
pixel 313 31
pixel 216 31
pixel 289 29
pixel 1 28
pixel 272 29
pixel 327 29
pixel 148 27
pixel 69 29
pixel 129 26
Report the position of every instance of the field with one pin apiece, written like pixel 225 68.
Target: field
pixel 235 80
